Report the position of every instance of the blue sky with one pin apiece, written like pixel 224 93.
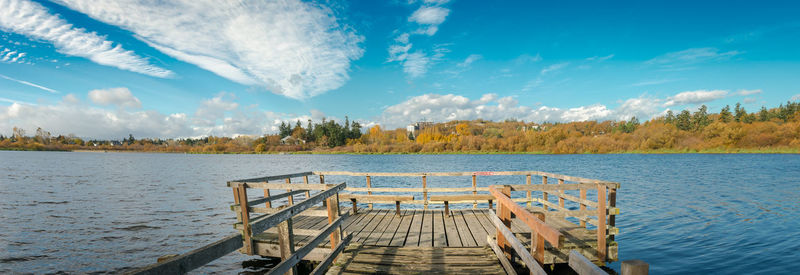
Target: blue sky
pixel 194 68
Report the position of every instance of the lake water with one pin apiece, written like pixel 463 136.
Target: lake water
pixel 110 212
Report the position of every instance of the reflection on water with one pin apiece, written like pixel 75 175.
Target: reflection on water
pixel 110 212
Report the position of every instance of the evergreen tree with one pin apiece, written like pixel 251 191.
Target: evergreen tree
pixel 725 114
pixel 684 120
pixel 763 115
pixel 285 129
pixel 670 117
pixel 700 118
pixel 739 112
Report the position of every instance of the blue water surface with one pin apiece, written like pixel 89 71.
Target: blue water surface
pixel 110 212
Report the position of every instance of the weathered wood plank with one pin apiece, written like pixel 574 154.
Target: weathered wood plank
pixel 376 198
pixel 399 238
pixel 415 231
pixel 370 227
pixel 474 226
pixel 500 257
pixel 550 234
pixel 582 265
pixel 381 230
pixel 193 259
pixel 426 233
pixel 465 236
pixel 322 267
pixel 439 232
pixel 550 187
pixel 385 238
pixel 453 237
pixel 298 255
pixel 520 249
pixel 479 173
pixel 269 178
pixel 481 197
pixel 260 225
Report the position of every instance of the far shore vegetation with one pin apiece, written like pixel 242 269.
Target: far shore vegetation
pixel 775 130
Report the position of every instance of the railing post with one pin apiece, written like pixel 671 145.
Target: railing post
pixel 474 191
pixel 369 185
pixel 447 208
pixel 504 213
pixel 308 192
pixel 425 191
pixel 583 207
pixel 537 242
pixel 268 204
pixel 290 198
pixel 286 242
pixel 601 222
pixel 528 196
pixel 355 206
pixel 561 192
pixel 245 214
pixel 544 193
pixel 236 201
pixel 333 213
pixel 322 181
pixel 612 202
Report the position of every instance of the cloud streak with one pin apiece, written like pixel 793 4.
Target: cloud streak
pixel 34 21
pixel 23 82
pixel 293 48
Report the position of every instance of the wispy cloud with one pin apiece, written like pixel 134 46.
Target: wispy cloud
pixel 469 60
pixel 429 18
pixel 295 48
pixel 33 20
pixel 600 58
pixel 690 57
pixel 554 68
pixel 748 92
pixel 120 97
pixel 695 97
pixel 23 82
pixel 426 19
pixel 653 82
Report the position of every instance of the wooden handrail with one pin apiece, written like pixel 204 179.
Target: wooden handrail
pixel 523 253
pixel 298 255
pixel 549 233
pixel 266 185
pixel 258 226
pixel 193 259
pixel 610 184
pixel 276 177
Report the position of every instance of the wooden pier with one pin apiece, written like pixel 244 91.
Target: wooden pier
pixel 519 227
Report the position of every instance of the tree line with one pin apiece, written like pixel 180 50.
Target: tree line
pixel 737 130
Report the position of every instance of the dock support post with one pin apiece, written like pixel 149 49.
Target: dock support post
pixel 333 213
pixel 474 191
pixel 612 202
pixel 322 181
pixel 537 245
pixel 583 207
pixel 601 223
pixel 397 208
pixel 560 198
pixel 544 193
pixel 528 195
pixel 635 267
pixel 286 242
pixel 504 213
pixel 245 215
pixel 290 198
pixel 447 208
pixel 369 185
pixel 425 191
pixel 308 193
pixel 355 206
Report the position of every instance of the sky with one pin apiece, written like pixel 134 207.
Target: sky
pixel 193 68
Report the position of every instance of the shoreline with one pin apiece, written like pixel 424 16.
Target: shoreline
pixel 781 151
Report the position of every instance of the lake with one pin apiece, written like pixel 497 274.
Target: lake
pixel 110 212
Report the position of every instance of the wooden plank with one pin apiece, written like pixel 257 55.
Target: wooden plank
pixel 376 198
pixel 369 228
pixel 267 185
pixel 601 222
pixel 415 231
pixel 522 252
pixel 333 214
pixel 504 215
pixel 358 228
pixel 461 229
pixel 247 233
pixel 426 234
pixel 296 257
pixel 476 227
pixel 481 197
pixel 582 265
pixel 612 203
pixel 453 237
pixel 269 199
pixel 549 187
pixel 480 173
pixel 260 225
pixel 193 259
pixel 383 229
pixel 416 190
pixel 286 244
pixel 475 186
pixel 439 232
pixel 500 257
pixel 269 178
pixel 322 267
pixel 385 239
pixel 399 237
pixel 550 234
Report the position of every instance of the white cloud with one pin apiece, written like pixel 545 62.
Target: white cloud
pixel 554 68
pixel 691 56
pixel 120 97
pixel 600 58
pixel 416 64
pixel 470 59
pixel 23 82
pixel 695 97
pixel 652 82
pixel 430 17
pixel 748 92
pixel 795 97
pixel 426 19
pixel 294 48
pixel 34 21
pixel 219 116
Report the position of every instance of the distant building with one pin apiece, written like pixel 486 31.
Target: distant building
pixel 415 128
